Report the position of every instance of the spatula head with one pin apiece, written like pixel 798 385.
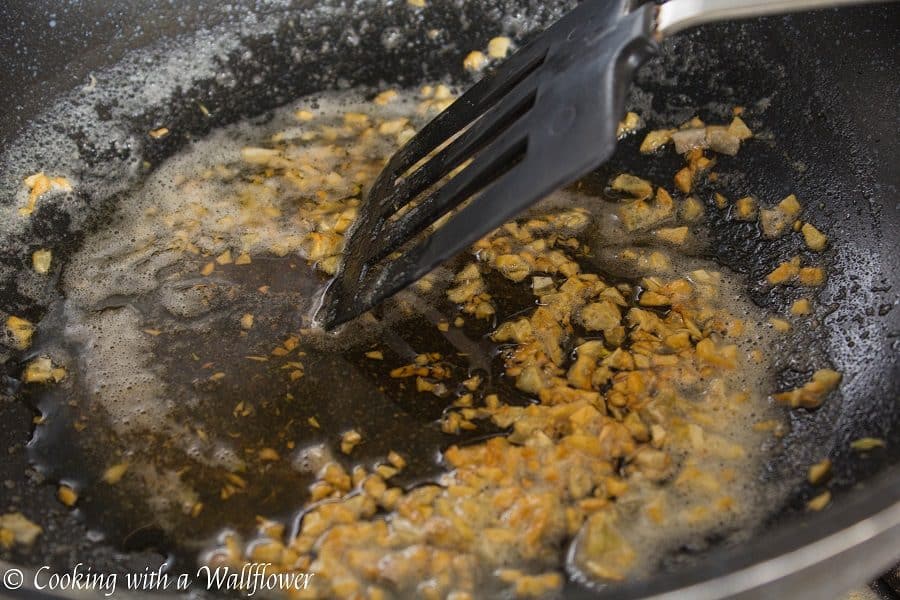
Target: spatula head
pixel 543 119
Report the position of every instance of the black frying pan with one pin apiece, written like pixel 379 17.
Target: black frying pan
pixel 830 79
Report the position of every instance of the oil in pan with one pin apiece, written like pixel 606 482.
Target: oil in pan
pixel 200 406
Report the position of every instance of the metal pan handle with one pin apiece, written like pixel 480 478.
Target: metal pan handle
pixel 676 15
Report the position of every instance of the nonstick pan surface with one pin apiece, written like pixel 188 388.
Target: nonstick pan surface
pixel 829 84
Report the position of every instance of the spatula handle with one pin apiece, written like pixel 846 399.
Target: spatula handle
pixel 676 15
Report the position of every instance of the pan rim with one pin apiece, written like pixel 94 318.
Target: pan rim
pixel 865 521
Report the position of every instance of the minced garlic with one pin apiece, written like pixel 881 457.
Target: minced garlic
pixel 812 393
pixel 38 185
pixel 801 307
pixel 819 471
pixel 745 209
pixel 498 47
pixel 15 528
pixel 475 61
pixel 114 474
pixel 20 331
pixel 865 444
pixel 815 239
pixel 67 495
pixel 349 440
pixel 42 370
pixel 820 501
pixel 656 139
pixel 40 261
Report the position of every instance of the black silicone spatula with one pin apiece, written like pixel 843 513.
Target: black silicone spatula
pixel 546 117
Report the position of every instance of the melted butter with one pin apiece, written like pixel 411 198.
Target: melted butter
pixel 219 422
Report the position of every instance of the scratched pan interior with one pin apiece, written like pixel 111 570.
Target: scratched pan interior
pixel 831 80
